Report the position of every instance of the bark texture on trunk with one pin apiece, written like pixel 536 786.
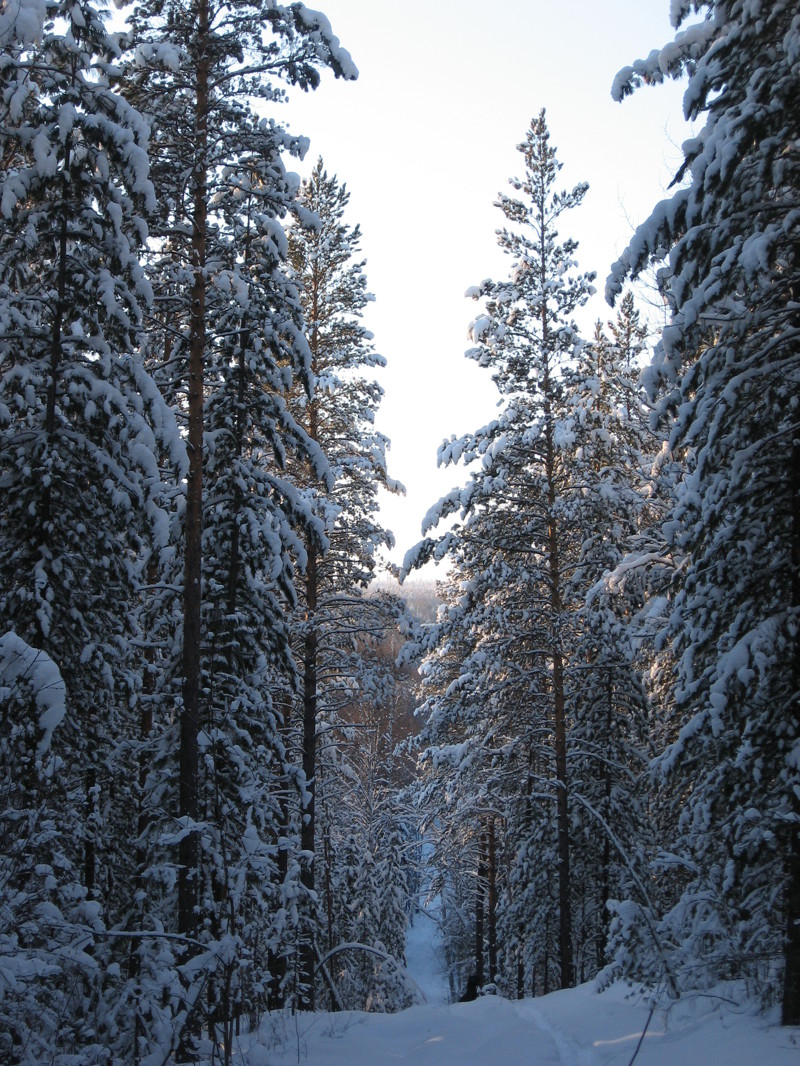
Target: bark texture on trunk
pixel 790 1005
pixel 193 559
pixel 492 899
pixel 308 831
pixel 480 908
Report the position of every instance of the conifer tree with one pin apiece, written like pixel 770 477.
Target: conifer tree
pixel 608 706
pixel 727 372
pixel 336 621
pixel 516 506
pixel 225 343
pixel 77 479
pixel 536 711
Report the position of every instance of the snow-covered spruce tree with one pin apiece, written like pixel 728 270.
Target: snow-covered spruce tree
pixel 227 333
pixel 517 504
pixel 728 367
pixel 362 853
pixel 254 525
pixel 608 706
pixel 335 620
pixel 484 723
pixel 76 474
pixel 624 627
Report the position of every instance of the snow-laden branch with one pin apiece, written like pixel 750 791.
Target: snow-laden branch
pixel 22 664
pixel 377 952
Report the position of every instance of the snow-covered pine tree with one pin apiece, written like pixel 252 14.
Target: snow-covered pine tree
pixel 728 368
pixel 227 341
pixel 255 524
pixel 486 727
pixel 336 621
pixel 516 503
pixel 77 471
pixel 362 853
pixel 608 706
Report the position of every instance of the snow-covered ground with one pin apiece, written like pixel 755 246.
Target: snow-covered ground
pixel 578 1027
pixel 422 960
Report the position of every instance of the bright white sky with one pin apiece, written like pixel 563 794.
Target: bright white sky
pixel 425 139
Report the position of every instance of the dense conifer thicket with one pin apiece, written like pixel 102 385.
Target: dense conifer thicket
pixel 609 754
pixel 189 471
pixel 210 806
pixel 536 724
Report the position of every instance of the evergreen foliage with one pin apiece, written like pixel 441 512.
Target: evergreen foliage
pixel 208 804
pixel 727 376
pixel 538 713
pixel 79 425
pixel 337 625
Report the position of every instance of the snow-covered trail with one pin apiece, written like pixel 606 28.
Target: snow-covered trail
pixel 577 1027
pixel 423 962
pixel 482 1033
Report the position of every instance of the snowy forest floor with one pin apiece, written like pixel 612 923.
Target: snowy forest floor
pixel 578 1027
pixel 573 1028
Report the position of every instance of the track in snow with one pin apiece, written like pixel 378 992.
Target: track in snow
pixel 482 1033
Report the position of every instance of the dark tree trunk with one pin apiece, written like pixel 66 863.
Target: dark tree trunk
pixel 790 1006
pixel 58 313
pixel 328 860
pixel 562 814
pixel 90 829
pixel 605 882
pixel 492 900
pixel 234 566
pixel 308 831
pixel 480 892
pixel 188 849
pixel 560 744
pixel 559 709
pixel 276 996
pixel 145 729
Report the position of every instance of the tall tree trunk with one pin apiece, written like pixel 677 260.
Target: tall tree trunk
pixel 276 996
pixel 605 879
pixel 188 849
pixel 556 619
pixel 562 815
pixel 145 729
pixel 58 313
pixel 90 828
pixel 480 893
pixel 327 857
pixel 790 1006
pixel 492 899
pixel 310 648
pixel 234 566
pixel 308 830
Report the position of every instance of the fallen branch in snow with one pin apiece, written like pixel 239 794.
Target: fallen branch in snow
pixel 372 951
pixel 644 1033
pixel 337 1003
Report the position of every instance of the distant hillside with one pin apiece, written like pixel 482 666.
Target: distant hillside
pixel 419 593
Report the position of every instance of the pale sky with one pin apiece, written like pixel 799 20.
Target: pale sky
pixel 425 139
